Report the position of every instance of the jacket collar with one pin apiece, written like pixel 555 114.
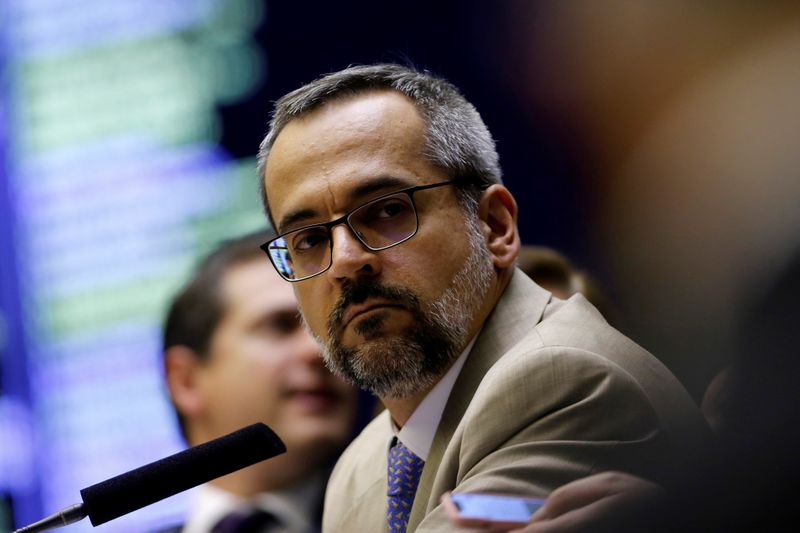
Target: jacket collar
pixel 518 310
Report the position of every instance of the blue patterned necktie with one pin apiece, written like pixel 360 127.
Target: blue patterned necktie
pixel 403 476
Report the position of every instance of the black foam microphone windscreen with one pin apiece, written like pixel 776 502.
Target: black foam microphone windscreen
pixel 164 478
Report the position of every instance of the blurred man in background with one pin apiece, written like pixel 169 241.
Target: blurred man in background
pixel 235 353
pixel 552 270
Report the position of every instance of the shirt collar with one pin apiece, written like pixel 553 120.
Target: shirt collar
pixel 209 505
pixel 296 506
pixel 418 432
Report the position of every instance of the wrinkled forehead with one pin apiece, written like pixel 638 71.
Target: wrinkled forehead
pixel 342 152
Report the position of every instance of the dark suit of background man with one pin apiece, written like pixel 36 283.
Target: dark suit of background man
pixel 235 353
pixel 401 240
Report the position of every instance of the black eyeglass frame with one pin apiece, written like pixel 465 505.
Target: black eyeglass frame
pixel 345 219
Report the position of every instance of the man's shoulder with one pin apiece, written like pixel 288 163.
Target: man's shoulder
pixel 572 355
pixel 528 315
pixel 577 322
pixel 573 340
pixel 577 328
pixel 561 325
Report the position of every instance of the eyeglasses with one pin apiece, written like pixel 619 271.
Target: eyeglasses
pixel 379 224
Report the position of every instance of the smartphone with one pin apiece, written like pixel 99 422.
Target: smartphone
pixel 486 510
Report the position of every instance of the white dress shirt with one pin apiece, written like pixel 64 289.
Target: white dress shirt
pixel 418 432
pixel 296 508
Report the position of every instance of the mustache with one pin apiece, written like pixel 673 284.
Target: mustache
pixel 358 292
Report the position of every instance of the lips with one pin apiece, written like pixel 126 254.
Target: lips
pixel 365 295
pixel 315 398
pixel 356 310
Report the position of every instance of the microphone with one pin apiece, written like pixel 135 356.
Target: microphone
pixel 166 477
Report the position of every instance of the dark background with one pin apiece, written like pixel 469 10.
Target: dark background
pixel 449 38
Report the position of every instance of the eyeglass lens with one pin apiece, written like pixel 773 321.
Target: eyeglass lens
pixel 379 224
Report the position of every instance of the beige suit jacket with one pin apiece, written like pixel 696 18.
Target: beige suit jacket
pixel 550 393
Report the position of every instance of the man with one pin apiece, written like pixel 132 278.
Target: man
pixel 401 241
pixel 235 353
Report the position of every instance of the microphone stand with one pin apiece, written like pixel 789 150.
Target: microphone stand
pixel 64 517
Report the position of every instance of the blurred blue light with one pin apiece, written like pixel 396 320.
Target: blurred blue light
pixel 17 472
pixel 58 27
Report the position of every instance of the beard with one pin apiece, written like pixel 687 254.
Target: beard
pixel 400 365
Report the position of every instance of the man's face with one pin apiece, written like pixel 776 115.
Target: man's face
pixel 392 320
pixel 264 366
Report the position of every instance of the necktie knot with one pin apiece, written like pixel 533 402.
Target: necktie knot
pixel 404 470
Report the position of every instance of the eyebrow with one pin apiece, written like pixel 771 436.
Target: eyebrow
pixel 375 185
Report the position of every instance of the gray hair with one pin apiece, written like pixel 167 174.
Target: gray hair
pixel 456 138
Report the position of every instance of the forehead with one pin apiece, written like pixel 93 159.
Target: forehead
pixel 254 286
pixel 326 160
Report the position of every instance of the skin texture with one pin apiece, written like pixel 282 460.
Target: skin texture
pixel 350 151
pixel 263 366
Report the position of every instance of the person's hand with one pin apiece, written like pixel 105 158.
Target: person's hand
pixel 608 501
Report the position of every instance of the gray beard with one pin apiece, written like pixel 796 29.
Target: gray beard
pixel 401 365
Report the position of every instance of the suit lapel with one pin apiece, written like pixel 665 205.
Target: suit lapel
pixel 369 509
pixel 517 311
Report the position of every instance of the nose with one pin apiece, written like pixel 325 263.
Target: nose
pixel 350 259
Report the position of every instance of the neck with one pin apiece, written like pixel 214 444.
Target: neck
pixel 401 409
pixel 240 484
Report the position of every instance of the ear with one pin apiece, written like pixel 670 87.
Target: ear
pixel 498 212
pixel 182 368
